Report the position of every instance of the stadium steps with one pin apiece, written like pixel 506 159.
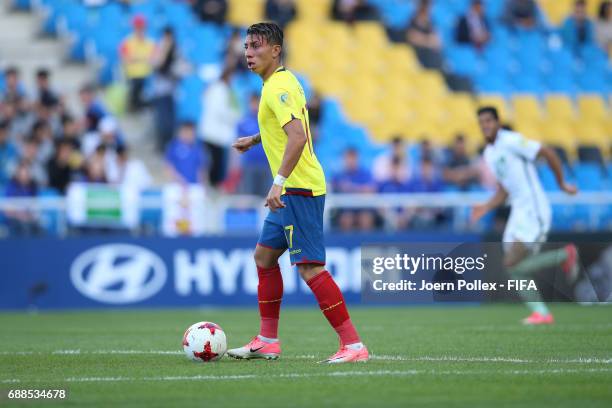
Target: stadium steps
pixel 21 46
pixel 140 137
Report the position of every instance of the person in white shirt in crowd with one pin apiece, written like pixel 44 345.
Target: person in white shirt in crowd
pixel 218 122
pixel 132 173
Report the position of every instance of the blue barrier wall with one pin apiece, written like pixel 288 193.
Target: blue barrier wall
pixel 163 272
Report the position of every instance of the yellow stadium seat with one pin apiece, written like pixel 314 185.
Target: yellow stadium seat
pixel 529 129
pixel 313 10
pixel 499 102
pixel 526 107
pixel 593 134
pixel 593 107
pixel 369 35
pixel 560 108
pixel 559 134
pixel 244 13
pixel 556 10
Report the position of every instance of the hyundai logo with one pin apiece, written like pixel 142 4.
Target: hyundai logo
pixel 118 273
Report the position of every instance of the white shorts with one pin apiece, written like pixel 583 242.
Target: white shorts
pixel 527 225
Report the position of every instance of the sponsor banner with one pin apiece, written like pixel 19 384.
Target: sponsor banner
pixel 151 272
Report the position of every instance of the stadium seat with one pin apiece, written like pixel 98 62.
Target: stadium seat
pixel 559 108
pixel 244 13
pixel 589 177
pixel 526 108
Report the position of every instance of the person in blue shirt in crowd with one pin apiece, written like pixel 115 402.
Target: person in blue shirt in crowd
pixel 8 154
pixel 256 176
pixel 578 30
pixel 95 111
pixel 21 221
pixel 354 178
pixel 185 157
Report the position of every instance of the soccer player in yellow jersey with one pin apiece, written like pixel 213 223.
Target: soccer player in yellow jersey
pixel 296 200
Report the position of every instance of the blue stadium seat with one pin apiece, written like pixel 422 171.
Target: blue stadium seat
pixel 464 60
pixel 189 98
pixel 547 178
pixel 589 176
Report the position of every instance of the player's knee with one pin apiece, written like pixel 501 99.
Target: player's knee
pixel 309 271
pixel 264 259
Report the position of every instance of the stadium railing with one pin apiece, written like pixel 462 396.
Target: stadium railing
pixel 245 214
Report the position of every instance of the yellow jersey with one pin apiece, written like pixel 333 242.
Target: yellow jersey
pixel 140 51
pixel 282 100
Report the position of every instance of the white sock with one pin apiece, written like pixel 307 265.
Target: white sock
pixel 354 346
pixel 267 339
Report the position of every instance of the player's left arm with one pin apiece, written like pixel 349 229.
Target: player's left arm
pixel 554 163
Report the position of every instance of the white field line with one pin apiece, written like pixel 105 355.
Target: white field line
pixel 581 360
pixel 377 373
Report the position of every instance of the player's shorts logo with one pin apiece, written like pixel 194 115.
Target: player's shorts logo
pixel 118 273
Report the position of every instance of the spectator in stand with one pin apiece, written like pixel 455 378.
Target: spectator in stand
pixel 280 11
pixel 185 159
pixel 220 115
pixel 45 95
pixel 256 177
pixel 603 26
pixel 520 13
pixel 95 166
pixel 30 156
pixel 22 221
pixel 211 10
pixel 137 52
pixel 14 92
pixel 396 183
pixel 164 84
pixel 234 53
pixel 133 173
pixel 473 27
pixel 427 179
pixel 8 154
pixel 354 179
pixel 63 166
pixel 459 169
pixel 94 109
pixel 382 168
pixel 41 132
pixel 350 11
pixel 315 111
pixel 70 131
pixel 422 35
pixel 578 29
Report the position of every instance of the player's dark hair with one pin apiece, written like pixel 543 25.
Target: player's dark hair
pixel 489 109
pixel 268 30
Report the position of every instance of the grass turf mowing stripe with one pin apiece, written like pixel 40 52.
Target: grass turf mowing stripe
pixel 581 360
pixel 378 373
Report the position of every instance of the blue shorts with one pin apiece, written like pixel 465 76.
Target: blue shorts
pixel 297 227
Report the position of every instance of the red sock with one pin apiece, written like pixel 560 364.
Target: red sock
pixel 269 295
pixel 333 306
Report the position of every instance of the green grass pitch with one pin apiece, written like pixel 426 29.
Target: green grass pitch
pixel 432 357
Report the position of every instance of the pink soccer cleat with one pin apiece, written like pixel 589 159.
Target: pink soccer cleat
pixel 571 265
pixel 256 349
pixel 347 355
pixel 536 318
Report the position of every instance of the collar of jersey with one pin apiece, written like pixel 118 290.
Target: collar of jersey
pixel 279 69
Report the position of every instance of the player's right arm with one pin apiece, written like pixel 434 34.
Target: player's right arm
pixel 555 165
pixel 480 210
pixel 245 143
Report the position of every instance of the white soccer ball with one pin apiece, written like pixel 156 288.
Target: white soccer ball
pixel 204 342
